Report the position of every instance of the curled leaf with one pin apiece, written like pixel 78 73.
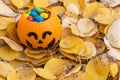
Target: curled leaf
pixel 112 34
pixel 5 10
pixel 73 8
pixel 12 44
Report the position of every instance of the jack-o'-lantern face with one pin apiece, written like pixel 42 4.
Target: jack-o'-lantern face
pixel 37 35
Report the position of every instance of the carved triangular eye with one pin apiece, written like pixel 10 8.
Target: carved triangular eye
pixel 45 34
pixel 33 34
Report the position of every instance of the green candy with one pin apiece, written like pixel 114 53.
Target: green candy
pixel 28 12
pixel 39 10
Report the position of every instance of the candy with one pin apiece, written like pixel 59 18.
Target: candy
pixel 37 15
pixel 39 19
pixel 30 18
pixel 29 12
pixel 33 13
pixel 26 15
pixel 39 10
pixel 44 15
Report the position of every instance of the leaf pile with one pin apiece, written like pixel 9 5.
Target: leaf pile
pixel 89 48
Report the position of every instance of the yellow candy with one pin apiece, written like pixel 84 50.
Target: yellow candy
pixel 44 15
pixel 26 15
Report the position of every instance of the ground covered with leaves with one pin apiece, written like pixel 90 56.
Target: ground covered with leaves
pixel 89 48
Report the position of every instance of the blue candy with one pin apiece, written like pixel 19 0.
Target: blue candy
pixel 34 9
pixel 39 19
pixel 33 13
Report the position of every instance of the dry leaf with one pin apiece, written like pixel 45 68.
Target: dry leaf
pixel 52 1
pixel 114 53
pixel 114 69
pixel 5 10
pixel 20 3
pixel 97 69
pixel 11 30
pixel 56 66
pixel 58 9
pixel 73 71
pixel 77 42
pixel 7 53
pixel 46 74
pixel 5 69
pixel 22 74
pixel 85 25
pixel 2 78
pixel 17 63
pixel 104 15
pixel 72 8
pixel 112 34
pixel 91 8
pixel 4 21
pixel 111 3
pixel 15 46
pixel 75 2
pixel 41 3
pixel 67 21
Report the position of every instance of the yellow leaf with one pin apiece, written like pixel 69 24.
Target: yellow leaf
pixel 2 78
pixel 15 46
pixel 104 15
pixel 5 69
pixel 87 76
pixel 114 69
pixel 97 69
pixel 91 8
pixel 82 5
pixel 41 3
pixel 11 30
pixel 20 3
pixel 17 63
pixel 70 56
pixel 7 53
pixel 76 41
pixel 21 73
pixel 58 9
pixel 4 21
pixel 87 51
pixel 46 74
pixel 75 2
pixel 56 66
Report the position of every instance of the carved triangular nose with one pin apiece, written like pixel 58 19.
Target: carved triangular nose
pixel 40 41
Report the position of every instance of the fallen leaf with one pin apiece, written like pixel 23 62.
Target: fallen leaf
pixel 5 69
pixel 46 74
pixel 97 69
pixel 56 66
pixel 15 46
pixel 22 74
pixel 114 69
pixel 5 10
pixel 6 53
pixel 4 21
pixel 112 34
pixel 20 3
pixel 41 3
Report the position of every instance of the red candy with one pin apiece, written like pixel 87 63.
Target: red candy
pixel 30 18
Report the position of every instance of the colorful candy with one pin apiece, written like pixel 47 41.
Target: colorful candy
pixel 44 15
pixel 30 18
pixel 37 15
pixel 39 19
